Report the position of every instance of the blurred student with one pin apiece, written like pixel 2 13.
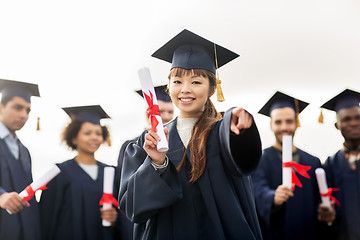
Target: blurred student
pixel 18 219
pixel 285 213
pixel 343 168
pixel 70 207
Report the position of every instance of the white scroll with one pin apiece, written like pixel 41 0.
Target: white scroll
pixel 109 173
pixel 151 100
pixel 287 157
pixel 323 187
pixel 30 190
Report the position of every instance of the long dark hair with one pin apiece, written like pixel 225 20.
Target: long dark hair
pixel 202 128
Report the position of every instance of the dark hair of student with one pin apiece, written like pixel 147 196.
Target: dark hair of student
pixel 203 126
pixel 5 100
pixel 72 130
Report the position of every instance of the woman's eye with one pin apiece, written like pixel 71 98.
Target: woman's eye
pixel 176 82
pixel 196 82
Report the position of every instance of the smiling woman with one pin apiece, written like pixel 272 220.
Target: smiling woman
pixel 187 88
pixel 202 182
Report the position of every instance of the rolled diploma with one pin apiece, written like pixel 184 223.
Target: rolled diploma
pixel 42 181
pixel 286 157
pixel 147 86
pixel 323 187
pixel 108 188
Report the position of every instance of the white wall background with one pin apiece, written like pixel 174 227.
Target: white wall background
pixel 88 52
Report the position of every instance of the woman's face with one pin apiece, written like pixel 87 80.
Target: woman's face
pixel 89 138
pixel 189 93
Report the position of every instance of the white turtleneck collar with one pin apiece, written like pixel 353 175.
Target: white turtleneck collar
pixel 184 127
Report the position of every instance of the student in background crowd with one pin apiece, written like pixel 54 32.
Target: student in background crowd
pixel 70 207
pixel 285 213
pixel 343 168
pixel 18 219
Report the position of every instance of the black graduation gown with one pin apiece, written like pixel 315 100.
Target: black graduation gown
pixel 340 175
pixel 219 205
pixel 297 218
pixel 15 176
pixel 69 208
pixel 125 226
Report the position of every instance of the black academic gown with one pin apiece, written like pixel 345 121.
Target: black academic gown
pixel 125 226
pixel 340 175
pixel 219 205
pixel 15 176
pixel 69 208
pixel 296 219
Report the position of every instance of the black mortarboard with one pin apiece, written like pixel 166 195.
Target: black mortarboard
pixel 190 51
pixel 346 99
pixel 91 114
pixel 281 100
pixel 161 93
pixel 9 88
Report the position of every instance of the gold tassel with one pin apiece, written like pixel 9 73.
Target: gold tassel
pixel 297 113
pixel 219 92
pixel 297 120
pixel 108 140
pixel 38 124
pixel 321 117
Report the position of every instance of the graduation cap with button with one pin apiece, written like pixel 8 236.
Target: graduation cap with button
pixel 10 88
pixel 346 99
pixel 161 93
pixel 91 113
pixel 190 51
pixel 282 100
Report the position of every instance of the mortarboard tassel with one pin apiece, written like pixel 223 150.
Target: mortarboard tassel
pixel 297 120
pixel 108 140
pixel 297 113
pixel 321 117
pixel 38 124
pixel 219 92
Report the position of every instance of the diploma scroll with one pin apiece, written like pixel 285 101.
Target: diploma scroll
pixel 109 173
pixel 39 184
pixel 323 187
pixel 287 157
pixel 153 108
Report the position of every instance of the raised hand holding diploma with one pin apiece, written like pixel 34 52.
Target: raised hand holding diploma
pixel 325 192
pixel 289 176
pixel 286 158
pixel 153 108
pixel 107 200
pixel 326 212
pixel 323 187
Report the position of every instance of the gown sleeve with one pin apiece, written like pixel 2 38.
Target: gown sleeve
pixel 241 152
pixel 264 195
pixel 142 190
pixel 50 206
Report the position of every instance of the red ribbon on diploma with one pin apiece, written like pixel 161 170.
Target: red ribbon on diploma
pixel 109 199
pixel 152 110
pixel 329 194
pixel 31 192
pixel 301 169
